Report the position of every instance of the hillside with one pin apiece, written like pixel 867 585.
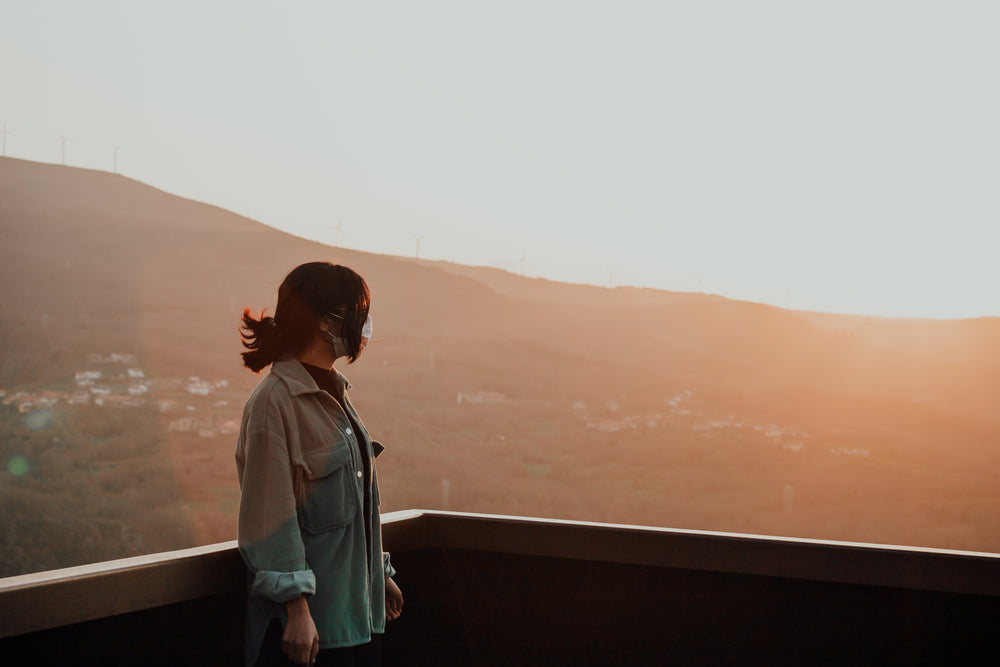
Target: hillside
pixel 629 405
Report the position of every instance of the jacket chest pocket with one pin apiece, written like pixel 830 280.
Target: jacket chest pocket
pixel 329 489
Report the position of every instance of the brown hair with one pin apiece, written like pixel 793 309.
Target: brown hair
pixel 305 296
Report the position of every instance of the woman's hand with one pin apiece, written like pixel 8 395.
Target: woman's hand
pixel 393 599
pixel 300 641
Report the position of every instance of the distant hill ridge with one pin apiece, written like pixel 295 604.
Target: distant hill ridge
pixel 114 263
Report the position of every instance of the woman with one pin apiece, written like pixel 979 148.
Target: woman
pixel 320 587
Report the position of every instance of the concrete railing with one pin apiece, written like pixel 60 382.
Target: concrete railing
pixel 484 589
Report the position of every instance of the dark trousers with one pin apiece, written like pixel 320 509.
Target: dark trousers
pixel 364 655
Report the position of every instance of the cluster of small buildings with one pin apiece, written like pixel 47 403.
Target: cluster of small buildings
pixel 717 424
pixel 789 439
pixel 208 427
pixel 674 404
pixel 25 402
pixel 92 388
pixel 481 397
pixel 614 425
pixel 113 358
pixel 125 389
pixel 630 422
pixel 198 387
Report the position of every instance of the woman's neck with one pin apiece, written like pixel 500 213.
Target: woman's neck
pixel 318 353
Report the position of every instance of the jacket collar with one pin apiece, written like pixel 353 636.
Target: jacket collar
pixel 299 382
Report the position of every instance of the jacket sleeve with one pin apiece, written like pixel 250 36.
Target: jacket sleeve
pixel 387 567
pixel 268 529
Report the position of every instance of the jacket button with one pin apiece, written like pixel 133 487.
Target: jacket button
pixel 348 431
pixel 359 474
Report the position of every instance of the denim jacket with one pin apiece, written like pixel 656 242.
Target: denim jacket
pixel 301 527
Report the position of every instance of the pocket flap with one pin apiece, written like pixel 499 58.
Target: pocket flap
pixel 323 462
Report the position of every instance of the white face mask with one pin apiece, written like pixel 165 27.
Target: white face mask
pixel 366 333
pixel 340 345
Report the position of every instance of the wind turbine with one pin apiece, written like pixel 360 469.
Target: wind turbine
pixel 336 228
pixel 611 278
pixel 64 140
pixel 114 169
pixel 5 133
pixel 418 240
pixel 522 264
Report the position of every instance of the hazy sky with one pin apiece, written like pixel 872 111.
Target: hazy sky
pixel 840 156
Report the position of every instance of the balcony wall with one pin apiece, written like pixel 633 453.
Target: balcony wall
pixel 487 590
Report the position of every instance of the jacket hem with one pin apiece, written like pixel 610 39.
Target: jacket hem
pixel 353 641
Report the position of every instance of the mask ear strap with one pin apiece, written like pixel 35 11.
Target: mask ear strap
pixel 326 323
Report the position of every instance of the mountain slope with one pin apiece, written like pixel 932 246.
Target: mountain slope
pixel 631 405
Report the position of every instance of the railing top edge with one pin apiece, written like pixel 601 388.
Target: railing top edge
pixel 743 537
pixel 148 560
pixel 401 515
pixel 112 566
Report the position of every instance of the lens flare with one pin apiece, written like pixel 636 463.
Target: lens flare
pixel 18 465
pixel 38 420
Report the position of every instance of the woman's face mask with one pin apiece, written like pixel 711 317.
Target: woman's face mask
pixel 366 332
pixel 340 344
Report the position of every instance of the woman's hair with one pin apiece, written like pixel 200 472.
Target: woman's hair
pixel 306 295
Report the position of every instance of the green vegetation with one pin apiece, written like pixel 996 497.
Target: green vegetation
pixel 91 486
pixel 83 483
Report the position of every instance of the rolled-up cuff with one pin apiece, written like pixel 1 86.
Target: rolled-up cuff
pixel 387 566
pixel 282 587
